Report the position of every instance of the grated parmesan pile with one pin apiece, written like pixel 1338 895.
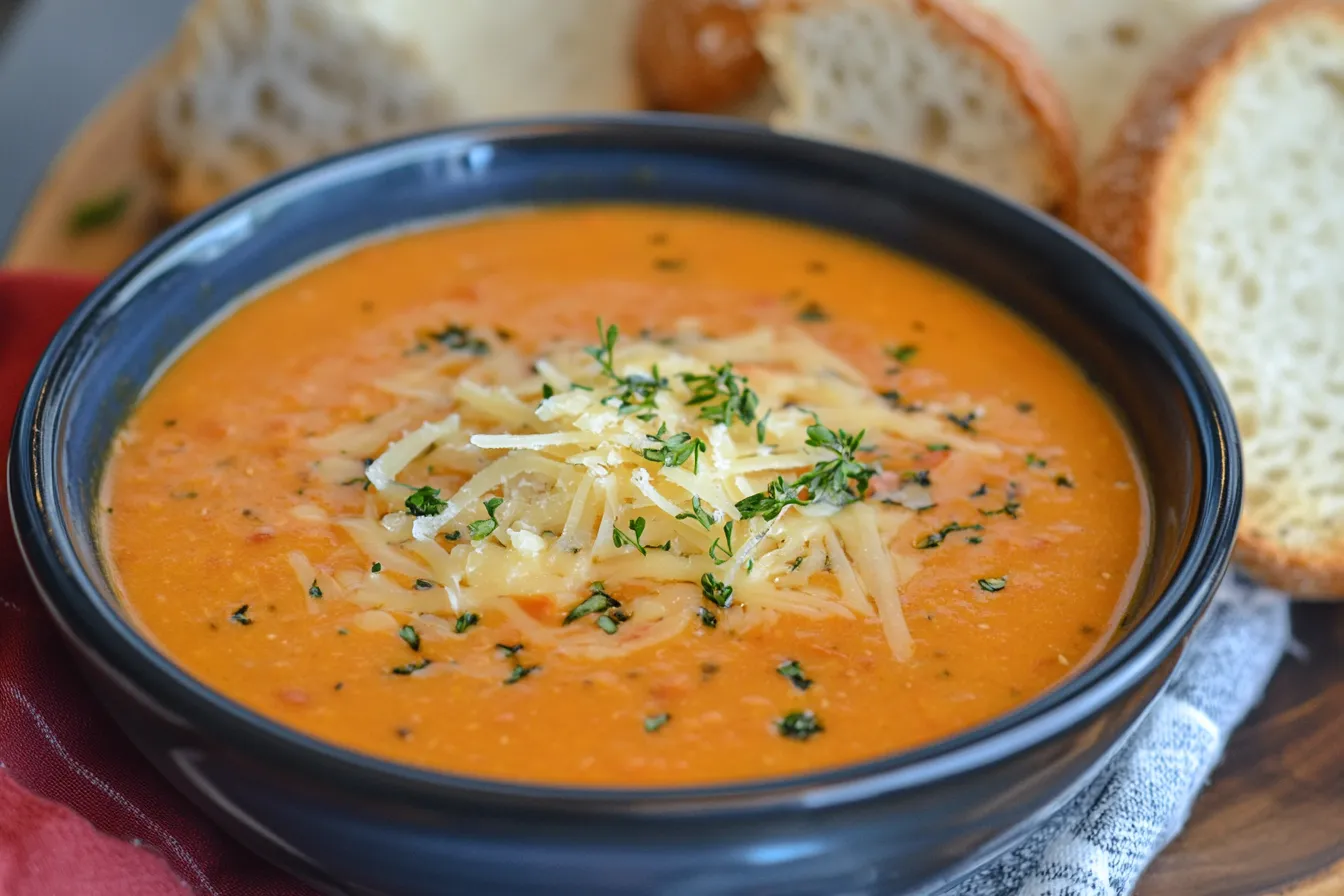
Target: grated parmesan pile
pixel 583 490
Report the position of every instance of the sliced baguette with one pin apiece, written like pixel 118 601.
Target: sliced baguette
pixel 253 86
pixel 935 81
pixel 1100 50
pixel 1224 190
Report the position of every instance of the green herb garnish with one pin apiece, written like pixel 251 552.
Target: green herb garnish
pixel 240 615
pixel 483 528
pixel 425 501
pixel 519 673
pixel 1063 481
pixel 634 393
pixel 726 549
pixel 829 481
pixel 466 621
pixel 797 562
pixel 964 422
pixel 100 212
pixel 933 539
pixel 1009 509
pixel 1035 460
pixel 411 668
pixel 812 312
pixel 993 583
pixel 793 671
pixel 598 601
pixel 313 590
pixel 799 725
pixel 653 723
pixel 376 568
pixel 726 388
pixel 509 649
pixel 607 624
pixel 410 636
pixel 697 513
pixel 707 618
pixel 902 354
pixel 459 339
pixel 771 502
pixel 637 525
pixel 676 449
pixel 715 591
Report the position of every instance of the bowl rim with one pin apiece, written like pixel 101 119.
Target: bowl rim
pixel 89 620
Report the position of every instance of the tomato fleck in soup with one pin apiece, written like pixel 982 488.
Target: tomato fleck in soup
pixel 796 502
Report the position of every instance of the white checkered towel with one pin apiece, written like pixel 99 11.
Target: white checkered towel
pixel 1101 841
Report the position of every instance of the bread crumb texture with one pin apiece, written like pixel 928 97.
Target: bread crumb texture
pixel 1228 198
pixel 939 83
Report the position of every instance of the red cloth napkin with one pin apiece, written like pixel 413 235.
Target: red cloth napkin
pixel 81 812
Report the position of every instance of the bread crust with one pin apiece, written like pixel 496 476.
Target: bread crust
pixel 1127 208
pixel 1022 68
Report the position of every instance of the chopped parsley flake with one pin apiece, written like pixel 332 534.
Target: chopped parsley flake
pixel 965 422
pixel 1063 481
pixel 933 539
pixel 721 383
pixel 707 618
pixel 453 535
pixel 715 591
pixel 634 393
pixel 981 491
pixel 424 501
pixel 722 553
pixel 771 502
pixel 619 538
pixel 812 312
pixel 483 528
pixel 653 723
pixel 697 513
pixel 411 668
pixel 459 339
pixel 410 636
pixel 799 725
pixel 607 624
pixel 902 354
pixel 509 649
pixel 676 449
pixel 598 601
pixel 519 673
pixel 466 621
pixel 938 446
pixel 993 583
pixel 376 568
pixel 1009 509
pixel 423 585
pixel 100 211
pixel 240 616
pixel 797 562
pixel 793 671
pixel 313 590
pixel 829 480
pixel 1035 460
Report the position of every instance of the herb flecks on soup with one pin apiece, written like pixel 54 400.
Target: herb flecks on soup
pixel 793 501
pixel 686 480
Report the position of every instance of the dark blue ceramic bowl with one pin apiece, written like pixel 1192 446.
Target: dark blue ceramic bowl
pixel 353 824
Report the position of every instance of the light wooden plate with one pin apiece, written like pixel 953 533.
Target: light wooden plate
pixel 1272 820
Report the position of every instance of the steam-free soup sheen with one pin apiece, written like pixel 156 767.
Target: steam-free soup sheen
pixel 977 544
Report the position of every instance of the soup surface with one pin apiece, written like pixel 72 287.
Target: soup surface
pixel 796 501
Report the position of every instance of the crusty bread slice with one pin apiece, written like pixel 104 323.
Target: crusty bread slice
pixel 1100 50
pixel 1224 191
pixel 935 81
pixel 253 86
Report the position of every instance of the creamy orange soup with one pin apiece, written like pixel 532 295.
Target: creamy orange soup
pixel 934 516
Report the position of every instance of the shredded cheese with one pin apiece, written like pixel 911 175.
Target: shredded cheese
pixel 505 478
